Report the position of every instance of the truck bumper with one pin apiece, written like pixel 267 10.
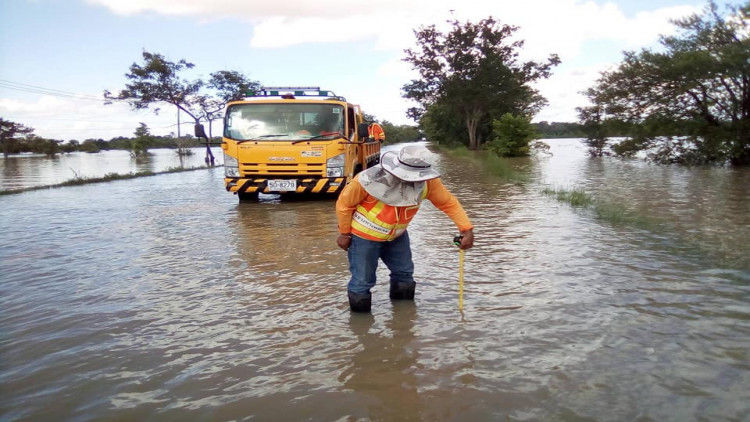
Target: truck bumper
pixel 325 185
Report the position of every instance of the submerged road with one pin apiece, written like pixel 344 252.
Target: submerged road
pixel 165 298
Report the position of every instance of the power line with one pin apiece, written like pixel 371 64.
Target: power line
pixel 35 89
pixel 106 121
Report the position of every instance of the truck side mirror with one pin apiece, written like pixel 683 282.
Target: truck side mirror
pixel 363 131
pixel 200 132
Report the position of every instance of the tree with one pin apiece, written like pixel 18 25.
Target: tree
pixel 399 133
pixel 226 86
pixel 689 102
pixel 39 145
pixel 157 80
pixel 512 136
pixel 141 142
pixel 9 132
pixel 595 131
pixel 473 73
pixel 559 129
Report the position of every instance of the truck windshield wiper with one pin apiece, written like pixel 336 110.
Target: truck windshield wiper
pixel 318 137
pixel 258 137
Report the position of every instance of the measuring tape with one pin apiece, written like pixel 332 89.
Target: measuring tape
pixel 457 242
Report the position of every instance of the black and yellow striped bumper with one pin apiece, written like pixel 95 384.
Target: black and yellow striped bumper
pixel 332 185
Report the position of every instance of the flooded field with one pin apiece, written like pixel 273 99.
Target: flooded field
pixel 27 170
pixel 164 298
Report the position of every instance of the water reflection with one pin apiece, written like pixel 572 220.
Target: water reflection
pixel 384 364
pixel 286 238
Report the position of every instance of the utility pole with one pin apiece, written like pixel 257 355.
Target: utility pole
pixel 178 124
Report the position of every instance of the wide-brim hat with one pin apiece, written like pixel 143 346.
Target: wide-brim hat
pixel 409 164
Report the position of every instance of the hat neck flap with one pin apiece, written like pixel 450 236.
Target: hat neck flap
pixel 389 188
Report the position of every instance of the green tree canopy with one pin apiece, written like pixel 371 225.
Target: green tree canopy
pixel 472 73
pixel 223 86
pixel 158 80
pixel 9 132
pixel 512 136
pixel 142 140
pixel 688 100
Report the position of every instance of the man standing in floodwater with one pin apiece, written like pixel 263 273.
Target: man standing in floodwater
pixel 373 212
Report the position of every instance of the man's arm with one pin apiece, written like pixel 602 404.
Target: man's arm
pixel 439 195
pixel 349 198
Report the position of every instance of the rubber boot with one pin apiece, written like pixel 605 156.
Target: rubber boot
pixel 360 302
pixel 402 290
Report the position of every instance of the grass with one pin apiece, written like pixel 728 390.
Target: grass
pixel 78 180
pixel 487 161
pixel 611 212
pixel 618 215
pixel 576 197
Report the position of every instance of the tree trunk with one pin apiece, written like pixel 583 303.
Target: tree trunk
pixel 472 120
pixel 741 154
pixel 471 127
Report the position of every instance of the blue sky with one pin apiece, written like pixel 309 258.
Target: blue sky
pixel 351 47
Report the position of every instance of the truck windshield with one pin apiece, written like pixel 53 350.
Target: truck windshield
pixel 292 122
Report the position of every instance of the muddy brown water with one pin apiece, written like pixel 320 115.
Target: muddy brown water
pixel 163 298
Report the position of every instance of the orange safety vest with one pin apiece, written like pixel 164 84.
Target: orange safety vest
pixel 376 132
pixel 376 220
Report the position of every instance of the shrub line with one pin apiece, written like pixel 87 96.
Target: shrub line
pixel 489 162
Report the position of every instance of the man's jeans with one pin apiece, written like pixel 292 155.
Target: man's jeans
pixel 363 261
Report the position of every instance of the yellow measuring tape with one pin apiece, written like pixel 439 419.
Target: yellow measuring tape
pixel 460 279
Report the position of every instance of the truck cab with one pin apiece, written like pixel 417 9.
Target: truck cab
pixel 296 140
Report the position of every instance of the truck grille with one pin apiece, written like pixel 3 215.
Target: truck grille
pixel 290 169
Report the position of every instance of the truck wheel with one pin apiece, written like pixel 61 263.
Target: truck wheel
pixel 248 196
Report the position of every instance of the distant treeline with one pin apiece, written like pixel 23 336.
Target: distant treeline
pixel 409 133
pixel 559 130
pixel 395 134
pixel 39 145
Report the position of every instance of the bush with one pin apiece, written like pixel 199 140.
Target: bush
pixel 511 136
pixel 141 142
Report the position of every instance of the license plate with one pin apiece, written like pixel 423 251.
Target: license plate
pixel 282 185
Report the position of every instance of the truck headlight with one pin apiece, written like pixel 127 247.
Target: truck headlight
pixel 231 166
pixel 335 166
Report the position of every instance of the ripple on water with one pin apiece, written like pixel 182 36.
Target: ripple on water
pixel 163 297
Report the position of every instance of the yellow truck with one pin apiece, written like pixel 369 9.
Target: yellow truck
pixel 295 140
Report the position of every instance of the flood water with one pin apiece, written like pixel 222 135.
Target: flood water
pixel 27 170
pixel 163 298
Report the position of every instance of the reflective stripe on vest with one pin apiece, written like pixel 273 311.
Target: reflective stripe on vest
pixel 380 221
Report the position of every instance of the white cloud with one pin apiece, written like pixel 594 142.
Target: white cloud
pixel 564 92
pixel 560 25
pixel 70 118
pixel 277 32
pixel 567 27
pixel 45 104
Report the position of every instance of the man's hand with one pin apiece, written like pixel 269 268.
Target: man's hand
pixel 344 240
pixel 467 241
